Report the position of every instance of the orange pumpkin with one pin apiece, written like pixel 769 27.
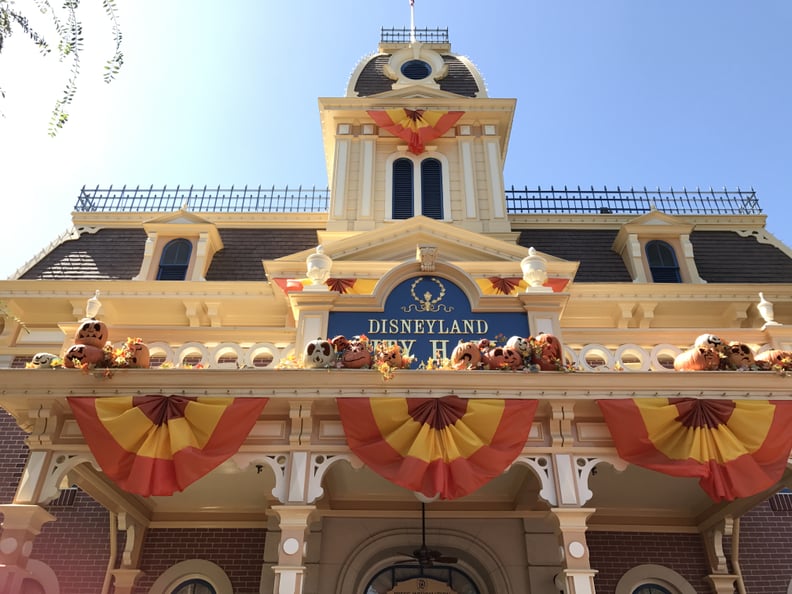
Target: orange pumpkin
pixel 738 356
pixel 546 352
pixel 79 354
pixel 392 355
pixel 92 332
pixel 357 355
pixel 140 356
pixel 466 355
pixel 503 358
pixel 775 358
pixel 697 359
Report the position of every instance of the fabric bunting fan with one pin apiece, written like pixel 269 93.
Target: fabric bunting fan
pixel 157 445
pixel 437 446
pixel 736 448
pixel 416 126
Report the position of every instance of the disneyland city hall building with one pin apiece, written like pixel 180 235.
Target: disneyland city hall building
pixel 420 380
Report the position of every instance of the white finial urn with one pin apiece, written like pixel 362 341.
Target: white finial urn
pixel 319 265
pixel 534 269
pixel 766 311
pixel 93 306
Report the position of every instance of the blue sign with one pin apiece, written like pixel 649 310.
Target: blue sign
pixel 427 316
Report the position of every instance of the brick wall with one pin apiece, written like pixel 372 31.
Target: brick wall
pixel 766 550
pixel 13 454
pixel 238 552
pixel 76 546
pixel 613 553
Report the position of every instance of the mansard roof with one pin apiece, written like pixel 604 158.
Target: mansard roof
pixel 729 257
pixel 117 253
pixel 372 79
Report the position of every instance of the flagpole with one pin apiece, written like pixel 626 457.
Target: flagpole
pixel 412 21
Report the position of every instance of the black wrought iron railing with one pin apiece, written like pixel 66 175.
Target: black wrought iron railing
pixel 203 199
pixel 632 201
pixel 403 35
pixel 518 201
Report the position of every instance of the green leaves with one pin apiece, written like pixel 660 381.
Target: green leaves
pixel 69 30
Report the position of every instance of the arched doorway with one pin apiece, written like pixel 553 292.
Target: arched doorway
pixel 386 580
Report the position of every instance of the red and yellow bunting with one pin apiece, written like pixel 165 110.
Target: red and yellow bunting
pixel 737 448
pixel 437 446
pixel 416 126
pixel 157 445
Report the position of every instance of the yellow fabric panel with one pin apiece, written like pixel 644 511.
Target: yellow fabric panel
pixel 411 438
pixel 721 444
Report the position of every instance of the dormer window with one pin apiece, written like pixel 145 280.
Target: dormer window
pixel 175 260
pixel 656 248
pixel 418 186
pixel 180 246
pixel 662 262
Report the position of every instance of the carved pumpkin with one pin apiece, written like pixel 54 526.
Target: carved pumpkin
pixel 738 356
pixel 140 356
pixel 503 358
pixel 775 358
pixel 466 355
pixel 697 359
pixel 709 341
pixel 357 355
pixel 79 354
pixel 319 353
pixel 521 345
pixel 393 357
pixel 42 360
pixel 340 343
pixel 546 352
pixel 92 332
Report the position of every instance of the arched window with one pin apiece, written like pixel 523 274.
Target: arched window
pixel 651 589
pixel 403 192
pixel 662 262
pixel 194 586
pixel 387 579
pixel 432 189
pixel 175 260
pixel 31 586
pixel 418 186
pixel 653 579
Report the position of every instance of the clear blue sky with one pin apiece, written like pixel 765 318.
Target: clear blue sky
pixel 610 92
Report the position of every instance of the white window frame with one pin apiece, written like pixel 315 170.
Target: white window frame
pixel 192 569
pixel 653 574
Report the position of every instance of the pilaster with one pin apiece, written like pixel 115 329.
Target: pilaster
pixel 21 525
pixel 577 575
pixel 124 580
pixel 290 570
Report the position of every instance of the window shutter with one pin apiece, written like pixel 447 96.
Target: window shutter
pixel 402 189
pixel 432 189
pixel 175 260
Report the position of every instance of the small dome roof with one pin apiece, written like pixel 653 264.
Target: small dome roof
pixel 416 65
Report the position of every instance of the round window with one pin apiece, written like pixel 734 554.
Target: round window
pixel 416 69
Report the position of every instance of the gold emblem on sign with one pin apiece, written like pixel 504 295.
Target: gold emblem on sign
pixel 429 301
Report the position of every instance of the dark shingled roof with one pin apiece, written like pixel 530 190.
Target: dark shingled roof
pixel 108 254
pixel 111 254
pixel 244 250
pixel 590 247
pixel 372 79
pixel 726 257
